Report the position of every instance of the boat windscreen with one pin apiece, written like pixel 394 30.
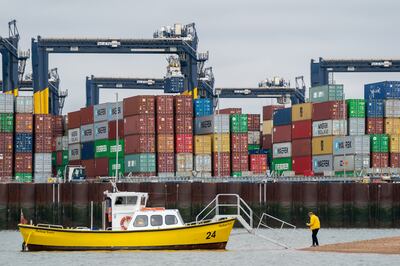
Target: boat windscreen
pixel 126 200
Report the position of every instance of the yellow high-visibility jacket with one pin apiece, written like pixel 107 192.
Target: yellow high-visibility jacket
pixel 314 222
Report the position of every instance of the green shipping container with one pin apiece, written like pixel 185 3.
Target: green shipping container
pixel 65 158
pixel 279 165
pixel 101 148
pixel 6 123
pixel 326 93
pixel 54 158
pixel 112 166
pixel 348 173
pixel 379 143
pixel 238 123
pixel 253 147
pixel 23 177
pixel 113 149
pixel 140 163
pixel 236 174
pixel 356 108
pixel 60 171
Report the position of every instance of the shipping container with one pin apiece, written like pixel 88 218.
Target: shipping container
pixel 166 163
pixel 253 122
pixel 6 165
pixel 43 143
pixel 183 124
pixel 392 108
pixel 142 143
pixel 302 165
pixel 113 149
pixel 202 144
pixel 142 104
pixel 74 152
pixel 165 143
pixel 101 130
pixel 87 115
pixel 267 126
pixel 101 148
pixel 268 111
pixel 355 108
pixel 212 124
pixel 333 110
pixel 238 123
pixel 258 164
pixel 239 142
pixel 24 104
pixel 23 177
pixel 221 142
pixel 165 123
pixel 87 133
pixel 302 129
pixel 351 162
pixel 115 111
pixel 42 163
pixel 322 145
pixel 44 124
pixel 6 123
pixel 61 158
pixel 165 104
pixel 379 143
pixel 74 135
pixel 139 124
pixel 203 107
pixel 322 163
pixel 301 147
pixel 62 143
pixel 87 150
pixel 74 119
pixel 23 123
pixel 329 128
pixel 229 111
pixel 112 129
pixel 252 147
pixel 394 159
pixel 280 165
pixel 184 163
pixel 375 125
pixel 6 103
pixel 58 125
pixel 183 104
pixel 100 112
pixel 382 90
pixel 90 168
pixel 392 126
pixel 202 163
pixel 281 150
pixel 375 108
pixel 114 167
pixel 101 167
pixel 347 145
pixel 184 143
pixel 23 162
pixel 267 142
pixel 356 126
pixel 379 159
pixel 301 112
pixel 394 143
pixel 240 161
pixel 324 93
pixel 221 164
pixel 282 117
pixel 23 143
pixel 254 138
pixel 6 142
pixel 282 133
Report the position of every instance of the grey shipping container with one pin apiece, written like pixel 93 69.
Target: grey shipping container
pixel 254 137
pixel 87 133
pixel 184 162
pixel 211 124
pixel 326 93
pixel 24 104
pixel 329 128
pixel 74 135
pixel 282 150
pixel 115 111
pixel 74 152
pixel 100 112
pixel 351 162
pixel 42 163
pixel 62 143
pixel 41 177
pixel 351 145
pixel 6 103
pixel 322 163
pixel 101 130
pixel 392 108
pixel 140 163
pixel 356 126
pixel 202 163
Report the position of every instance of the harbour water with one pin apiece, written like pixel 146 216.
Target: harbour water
pixel 243 249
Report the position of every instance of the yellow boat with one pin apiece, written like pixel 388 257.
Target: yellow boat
pixel 132 226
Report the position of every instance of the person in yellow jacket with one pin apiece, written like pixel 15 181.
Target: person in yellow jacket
pixel 314 225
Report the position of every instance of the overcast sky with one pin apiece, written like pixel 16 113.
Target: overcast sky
pixel 247 40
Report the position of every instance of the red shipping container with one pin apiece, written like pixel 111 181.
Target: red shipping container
pixel 44 124
pixel 75 162
pixel 301 147
pixel 6 165
pixel 229 111
pixel 183 143
pixel 6 142
pixel 224 162
pixel 240 161
pixel 23 162
pixel 282 133
pixel 165 104
pixel 58 125
pixel 183 124
pixel 239 142
pixel 375 125
pixel 395 160
pixel 183 104
pixel 329 110
pixel 268 111
pixel 140 143
pixel 43 143
pixel 302 129
pixel 90 167
pixel 267 142
pixel 379 159
pixel 253 122
pixel 112 129
pixel 139 124
pixel 59 158
pixel 258 163
pixel 87 115
pixel 166 162
pixel 23 123
pixel 101 167
pixel 74 119
pixel 302 165
pixel 165 123
pixel 142 104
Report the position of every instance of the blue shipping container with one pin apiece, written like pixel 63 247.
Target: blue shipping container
pixel 23 142
pixel 283 117
pixel 87 150
pixel 382 90
pixel 375 108
pixel 203 107
pixel 174 85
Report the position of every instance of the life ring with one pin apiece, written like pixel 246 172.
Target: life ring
pixel 125 222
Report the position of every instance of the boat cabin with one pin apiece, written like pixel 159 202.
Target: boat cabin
pixel 155 218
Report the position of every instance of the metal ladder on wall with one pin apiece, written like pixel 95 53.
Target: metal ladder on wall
pixel 221 207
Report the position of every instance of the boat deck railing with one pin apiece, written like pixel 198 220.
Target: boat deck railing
pixel 57 226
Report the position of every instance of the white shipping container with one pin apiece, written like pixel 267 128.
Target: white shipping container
pixel 6 103
pixel 202 163
pixel 348 145
pixel 115 111
pixel 356 126
pixel 74 135
pixel 101 130
pixel 24 104
pixel 254 137
pixel 329 128
pixel 351 162
pixel 42 163
pixel 322 163
pixel 41 177
pixel 184 162
pixel 392 108
pixel 100 112
pixel 87 133
pixel 282 150
pixel 74 152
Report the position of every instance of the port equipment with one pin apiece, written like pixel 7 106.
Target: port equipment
pixel 322 71
pixel 181 40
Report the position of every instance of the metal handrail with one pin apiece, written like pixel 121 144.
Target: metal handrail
pixel 50 226
pixel 276 219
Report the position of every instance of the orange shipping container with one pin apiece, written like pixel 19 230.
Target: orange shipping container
pixel 202 144
pixel 322 145
pixel 165 143
pixel 267 127
pixel 301 111
pixel 392 126
pixel 221 142
pixel 394 146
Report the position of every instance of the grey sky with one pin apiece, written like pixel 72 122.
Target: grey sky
pixel 248 40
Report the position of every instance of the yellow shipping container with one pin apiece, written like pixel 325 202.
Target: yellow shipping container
pixel 392 126
pixel 221 142
pixel 394 145
pixel 322 145
pixel 301 111
pixel 202 144
pixel 267 127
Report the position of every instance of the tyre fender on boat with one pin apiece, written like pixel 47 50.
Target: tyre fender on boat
pixel 125 222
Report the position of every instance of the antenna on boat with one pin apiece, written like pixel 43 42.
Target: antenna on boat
pixel 114 183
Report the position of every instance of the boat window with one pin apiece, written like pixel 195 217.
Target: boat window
pixel 141 221
pixel 170 220
pixel 130 200
pixel 156 220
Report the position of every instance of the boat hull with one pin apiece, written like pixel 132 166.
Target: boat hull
pixel 213 235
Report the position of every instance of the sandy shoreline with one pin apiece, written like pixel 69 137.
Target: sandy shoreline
pixel 387 245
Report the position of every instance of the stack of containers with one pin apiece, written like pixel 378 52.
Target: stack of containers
pixel 356 117
pixel 281 139
pixel 202 142
pixel 267 126
pixel 43 147
pixel 239 144
pixel 329 119
pixel 115 118
pixel 60 158
pixel 301 139
pixel 254 134
pixel 101 142
pixel 139 135
pixel 184 134
pixel 165 136
pixel 6 136
pixel 74 138
pixel 23 139
pixel 88 117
